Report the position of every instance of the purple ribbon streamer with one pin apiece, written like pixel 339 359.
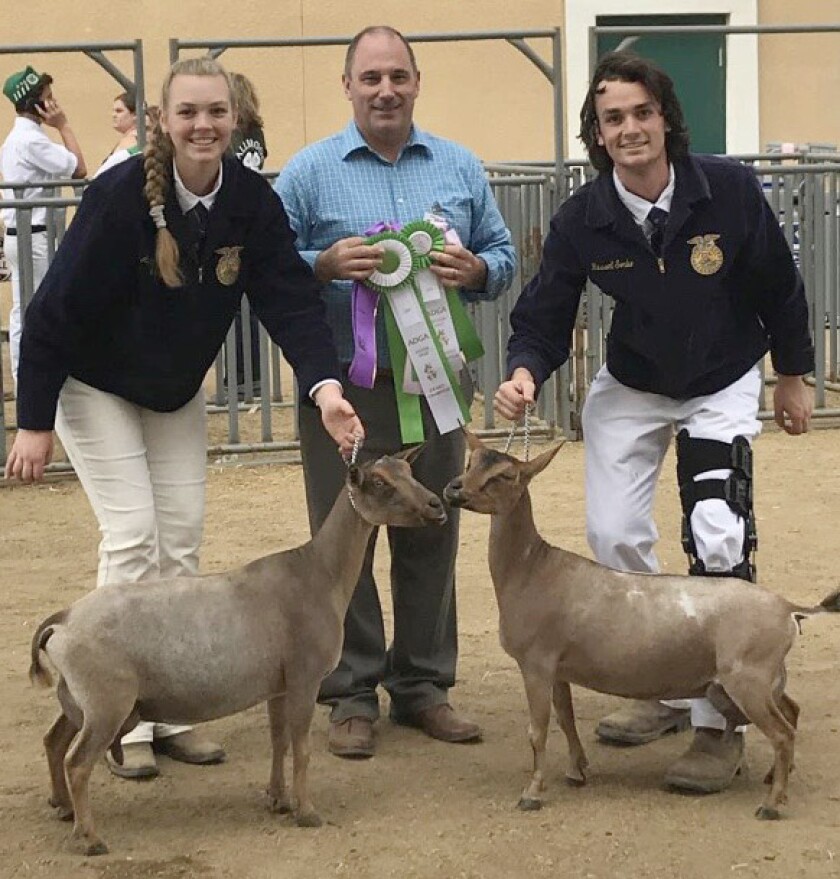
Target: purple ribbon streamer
pixel 363 307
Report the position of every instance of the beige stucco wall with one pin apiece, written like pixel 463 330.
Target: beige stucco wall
pixel 486 95
pixel 800 74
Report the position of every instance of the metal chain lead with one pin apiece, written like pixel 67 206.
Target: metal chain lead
pixel 357 444
pixel 529 408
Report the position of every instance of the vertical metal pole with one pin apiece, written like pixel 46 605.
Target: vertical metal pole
pixel 559 124
pixel 265 398
pixel 232 398
pixel 819 231
pixel 173 50
pixel 560 192
pixel 833 273
pixel 26 271
pixel 140 93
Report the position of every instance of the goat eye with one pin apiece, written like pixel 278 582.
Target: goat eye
pixel 378 483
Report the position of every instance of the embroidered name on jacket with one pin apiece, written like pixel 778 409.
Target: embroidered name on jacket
pixel 612 266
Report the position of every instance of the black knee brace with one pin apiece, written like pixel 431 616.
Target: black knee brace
pixel 696 456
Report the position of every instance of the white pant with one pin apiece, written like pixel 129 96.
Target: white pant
pixel 626 436
pixel 40 265
pixel 144 473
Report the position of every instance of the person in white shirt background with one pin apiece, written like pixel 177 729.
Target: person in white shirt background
pixel 28 155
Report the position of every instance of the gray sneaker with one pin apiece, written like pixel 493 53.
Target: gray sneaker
pixel 710 764
pixel 638 723
pixel 138 761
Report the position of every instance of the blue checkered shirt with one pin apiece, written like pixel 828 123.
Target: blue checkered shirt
pixel 337 188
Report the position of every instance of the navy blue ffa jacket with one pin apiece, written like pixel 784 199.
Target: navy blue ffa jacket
pixel 724 292
pixel 103 316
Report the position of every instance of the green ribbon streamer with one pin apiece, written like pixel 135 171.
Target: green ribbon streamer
pixel 408 405
pixel 468 340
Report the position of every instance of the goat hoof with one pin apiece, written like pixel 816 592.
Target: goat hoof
pixel 90 847
pixel 311 819
pixel 529 804
pixel 279 805
pixel 576 780
pixel 767 813
pixel 64 810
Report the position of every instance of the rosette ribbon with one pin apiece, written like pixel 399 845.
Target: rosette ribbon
pixel 419 345
pixel 364 305
pixel 448 316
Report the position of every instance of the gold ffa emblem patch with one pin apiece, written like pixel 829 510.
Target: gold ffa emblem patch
pixel 706 256
pixel 227 269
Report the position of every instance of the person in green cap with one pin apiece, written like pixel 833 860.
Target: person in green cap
pixel 28 155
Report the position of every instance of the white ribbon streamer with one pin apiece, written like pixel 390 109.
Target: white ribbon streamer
pixel 424 357
pixel 437 308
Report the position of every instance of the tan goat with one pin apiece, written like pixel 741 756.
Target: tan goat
pixel 198 648
pixel 568 620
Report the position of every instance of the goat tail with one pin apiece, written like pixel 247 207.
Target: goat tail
pixel 831 603
pixel 39 674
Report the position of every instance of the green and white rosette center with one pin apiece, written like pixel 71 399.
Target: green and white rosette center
pixel 399 262
pixel 424 237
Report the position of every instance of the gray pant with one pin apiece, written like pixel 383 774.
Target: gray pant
pixel 419 666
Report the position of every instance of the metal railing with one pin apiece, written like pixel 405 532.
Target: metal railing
pixel 96 52
pixel 804 196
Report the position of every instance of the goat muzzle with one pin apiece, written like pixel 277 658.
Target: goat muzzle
pixel 453 493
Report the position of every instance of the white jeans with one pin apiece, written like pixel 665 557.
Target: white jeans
pixel 626 436
pixel 144 473
pixel 40 265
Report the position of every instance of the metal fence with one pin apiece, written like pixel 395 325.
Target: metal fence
pixel 803 190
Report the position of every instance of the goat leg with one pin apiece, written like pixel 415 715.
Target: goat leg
pixel 300 710
pixel 578 764
pixel 538 691
pixel 790 709
pixel 278 795
pixel 758 701
pixel 90 746
pixel 56 742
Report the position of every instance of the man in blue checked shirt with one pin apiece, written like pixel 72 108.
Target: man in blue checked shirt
pixel 381 168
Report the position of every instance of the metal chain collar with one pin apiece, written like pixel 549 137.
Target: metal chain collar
pixel 357 444
pixel 529 408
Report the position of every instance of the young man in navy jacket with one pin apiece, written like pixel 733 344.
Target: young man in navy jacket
pixel 704 285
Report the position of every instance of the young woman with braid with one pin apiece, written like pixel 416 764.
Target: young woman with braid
pixel 130 316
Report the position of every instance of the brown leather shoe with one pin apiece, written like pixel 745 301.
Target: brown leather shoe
pixel 710 764
pixel 138 762
pixel 441 722
pixel 351 738
pixel 189 747
pixel 641 722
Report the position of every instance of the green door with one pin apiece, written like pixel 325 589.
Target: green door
pixel 696 63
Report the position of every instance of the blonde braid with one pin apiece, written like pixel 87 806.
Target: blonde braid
pixel 157 162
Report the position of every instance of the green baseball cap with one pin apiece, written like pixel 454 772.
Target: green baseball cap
pixel 22 84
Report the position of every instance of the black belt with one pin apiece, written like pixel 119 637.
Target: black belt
pixel 35 229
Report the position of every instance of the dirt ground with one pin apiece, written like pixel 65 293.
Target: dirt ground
pixel 422 808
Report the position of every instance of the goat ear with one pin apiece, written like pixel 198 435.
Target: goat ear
pixel 410 454
pixel 530 469
pixel 473 442
pixel 354 475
